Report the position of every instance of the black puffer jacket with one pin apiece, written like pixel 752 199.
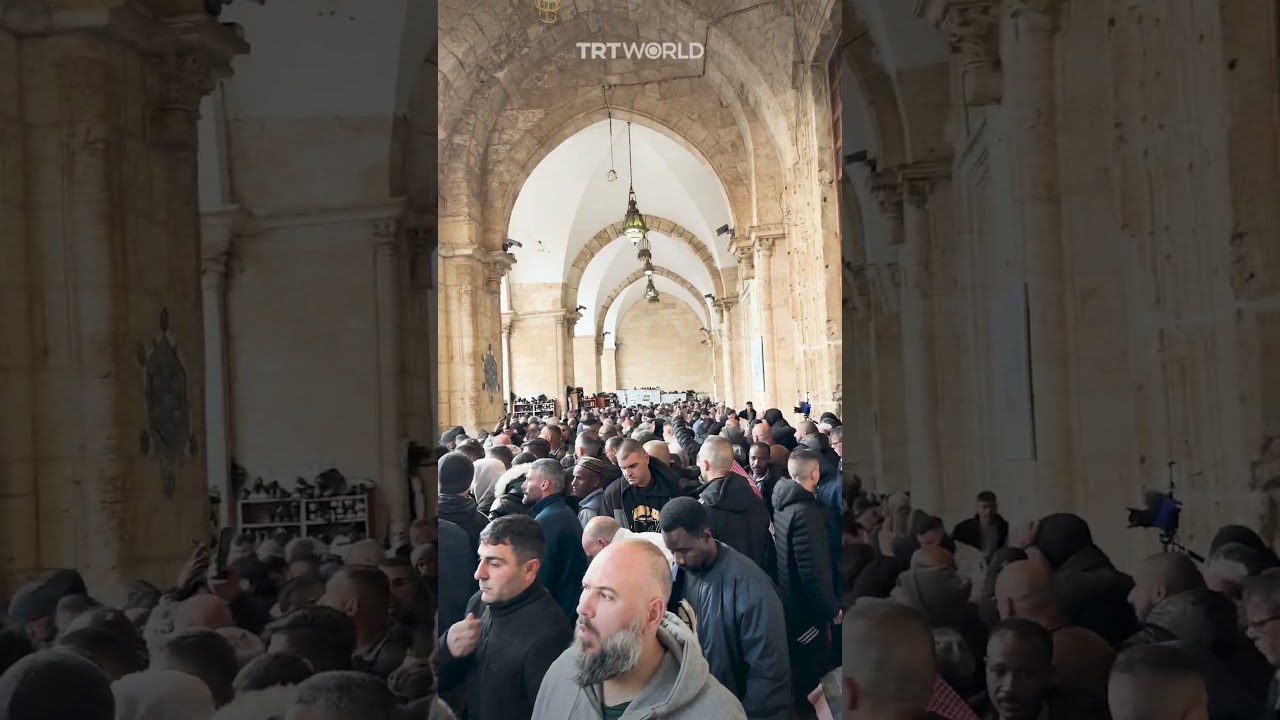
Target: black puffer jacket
pixel 742 632
pixel 1204 623
pixel 804 557
pixel 740 519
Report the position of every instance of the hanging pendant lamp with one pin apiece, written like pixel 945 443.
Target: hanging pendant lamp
pixel 651 292
pixel 633 225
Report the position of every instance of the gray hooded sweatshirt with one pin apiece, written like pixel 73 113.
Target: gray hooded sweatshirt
pixel 682 689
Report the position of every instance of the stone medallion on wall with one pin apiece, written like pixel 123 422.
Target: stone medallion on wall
pixel 490 373
pixel 168 436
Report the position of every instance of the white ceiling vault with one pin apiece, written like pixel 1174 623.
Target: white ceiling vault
pixel 568 199
pixel 634 293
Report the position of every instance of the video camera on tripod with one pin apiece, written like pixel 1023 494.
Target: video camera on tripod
pixel 1162 511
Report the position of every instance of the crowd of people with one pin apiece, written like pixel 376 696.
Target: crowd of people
pixel 281 629
pixel 672 561
pixel 1034 622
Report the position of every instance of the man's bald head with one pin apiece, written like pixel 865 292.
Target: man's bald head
pixel 598 533
pixel 1024 588
pixel 1156 682
pixel 760 432
pixel 1161 577
pixel 889 660
pixel 202 611
pixel 806 428
pixel 933 556
pixel 643 562
pixel 658 450
pixel 715 459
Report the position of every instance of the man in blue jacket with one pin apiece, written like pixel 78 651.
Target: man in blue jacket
pixel 564 563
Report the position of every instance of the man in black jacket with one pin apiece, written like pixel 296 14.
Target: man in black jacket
pixel 738 517
pixel 636 499
pixel 456 471
pixel 564 562
pixel 513 630
pixel 805 583
pixel 764 474
pixel 741 623
pixel 457 581
pixel 986 530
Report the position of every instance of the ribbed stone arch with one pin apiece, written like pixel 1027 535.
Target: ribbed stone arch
pixel 633 277
pixel 878 89
pixel 613 233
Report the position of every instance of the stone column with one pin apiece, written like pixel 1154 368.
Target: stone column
pixel 470 336
pixel 217 241
pixel 108 103
pixel 920 342
pixel 1031 103
pixel 728 344
pixel 762 241
pixel 508 325
pixel 566 326
pixel 599 363
pixel 389 246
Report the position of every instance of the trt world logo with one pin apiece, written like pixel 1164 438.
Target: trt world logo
pixel 641 51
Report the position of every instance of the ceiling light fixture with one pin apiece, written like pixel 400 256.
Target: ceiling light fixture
pixel 633 225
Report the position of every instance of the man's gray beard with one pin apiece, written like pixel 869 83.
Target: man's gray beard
pixel 616 655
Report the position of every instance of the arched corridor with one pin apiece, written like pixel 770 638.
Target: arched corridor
pixel 731 161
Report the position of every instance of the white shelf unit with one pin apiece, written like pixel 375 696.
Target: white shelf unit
pixel 308 517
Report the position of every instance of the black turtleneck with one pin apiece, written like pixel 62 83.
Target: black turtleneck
pixel 519 639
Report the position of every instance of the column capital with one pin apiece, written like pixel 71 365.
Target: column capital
pixel 973 27
pixel 740 246
pixel 190 56
pixel 497 264
pixel 725 304
pixel 918 180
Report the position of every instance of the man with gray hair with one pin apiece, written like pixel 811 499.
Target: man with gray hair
pixel 564 562
pixel 342 695
pixel 889 662
pixel 738 516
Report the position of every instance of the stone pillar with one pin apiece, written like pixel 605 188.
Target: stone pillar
pixel 108 102
pixel 470 336
pixel 508 323
pixel 217 241
pixel 920 332
pixel 599 363
pixel 973 27
pixel 566 324
pixel 762 243
pixel 389 249
pixel 1031 103
pixel 728 343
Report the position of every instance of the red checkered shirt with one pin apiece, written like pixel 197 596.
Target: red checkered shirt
pixel 947 703
pixel 738 469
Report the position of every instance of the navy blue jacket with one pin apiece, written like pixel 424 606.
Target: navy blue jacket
pixel 565 563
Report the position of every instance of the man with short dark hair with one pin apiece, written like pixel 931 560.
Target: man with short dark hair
pixel 804 576
pixel 741 625
pixel 324 636
pixel 764 474
pixel 205 654
pixel 523 628
pixel 564 562
pixel 987 530
pixel 1157 682
pixel 635 500
pixel 343 696
pixel 1020 679
pixel 364 594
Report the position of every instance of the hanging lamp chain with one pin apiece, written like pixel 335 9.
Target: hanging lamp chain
pixel 631 168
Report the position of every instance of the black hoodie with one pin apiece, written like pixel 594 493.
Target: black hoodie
pixel 640 509
pixel 740 519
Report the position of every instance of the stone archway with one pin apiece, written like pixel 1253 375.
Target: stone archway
pixel 613 233
pixel 631 279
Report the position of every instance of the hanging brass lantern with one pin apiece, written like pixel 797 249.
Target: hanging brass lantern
pixel 633 225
